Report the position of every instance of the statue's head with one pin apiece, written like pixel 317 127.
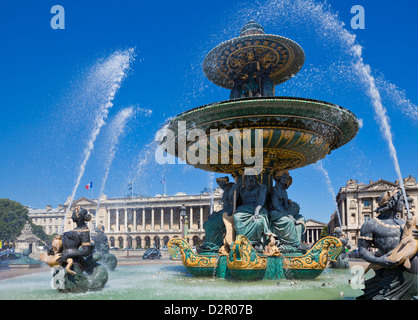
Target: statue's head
pixel 338 231
pixel 283 177
pixel 391 200
pixel 81 215
pixel 250 181
pixel 100 228
pixel 222 182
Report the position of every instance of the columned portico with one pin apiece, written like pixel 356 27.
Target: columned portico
pixel 150 221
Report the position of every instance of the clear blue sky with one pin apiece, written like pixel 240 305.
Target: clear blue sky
pixel 44 127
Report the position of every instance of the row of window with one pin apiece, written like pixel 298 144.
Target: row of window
pixel 39 220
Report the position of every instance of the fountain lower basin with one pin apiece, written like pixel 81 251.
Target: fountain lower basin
pixel 168 282
pixel 243 262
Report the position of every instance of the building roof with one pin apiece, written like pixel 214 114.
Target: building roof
pixel 312 223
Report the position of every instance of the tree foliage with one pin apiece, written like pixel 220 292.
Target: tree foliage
pixel 324 232
pixel 13 217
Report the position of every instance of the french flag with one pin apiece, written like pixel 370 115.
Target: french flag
pixel 163 181
pixel 89 185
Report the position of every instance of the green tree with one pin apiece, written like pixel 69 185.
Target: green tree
pixel 13 217
pixel 324 232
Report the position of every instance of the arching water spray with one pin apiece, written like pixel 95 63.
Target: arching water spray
pixel 108 76
pixel 143 164
pixel 117 128
pixel 382 118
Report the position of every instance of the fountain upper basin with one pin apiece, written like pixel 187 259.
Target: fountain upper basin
pixel 296 131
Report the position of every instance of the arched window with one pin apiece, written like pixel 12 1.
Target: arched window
pixel 157 241
pixel 147 242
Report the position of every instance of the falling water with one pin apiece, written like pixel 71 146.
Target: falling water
pixel 320 167
pixel 117 127
pixel 381 114
pixel 108 76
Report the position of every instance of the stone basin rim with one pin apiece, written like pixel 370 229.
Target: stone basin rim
pixel 280 98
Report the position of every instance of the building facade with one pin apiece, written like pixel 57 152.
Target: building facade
pixel 145 221
pixel 313 231
pixel 136 221
pixel 357 203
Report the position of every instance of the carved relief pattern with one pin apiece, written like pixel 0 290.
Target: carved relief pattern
pixel 243 256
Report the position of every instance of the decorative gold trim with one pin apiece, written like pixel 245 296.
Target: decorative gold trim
pixel 244 257
pixel 188 257
pixel 317 257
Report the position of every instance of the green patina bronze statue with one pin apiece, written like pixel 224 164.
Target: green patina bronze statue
pixel 251 217
pixel 214 226
pixel 285 220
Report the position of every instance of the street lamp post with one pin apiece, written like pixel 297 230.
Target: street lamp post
pixel 127 243
pixel 183 217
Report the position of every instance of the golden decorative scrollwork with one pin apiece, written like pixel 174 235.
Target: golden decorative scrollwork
pixel 188 257
pixel 317 257
pixel 243 256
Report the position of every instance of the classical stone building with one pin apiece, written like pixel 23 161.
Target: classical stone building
pixel 137 221
pixel 357 203
pixel 313 231
pixel 146 221
pixel 49 218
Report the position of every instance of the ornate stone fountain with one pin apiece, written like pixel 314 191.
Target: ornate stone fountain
pixel 261 229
